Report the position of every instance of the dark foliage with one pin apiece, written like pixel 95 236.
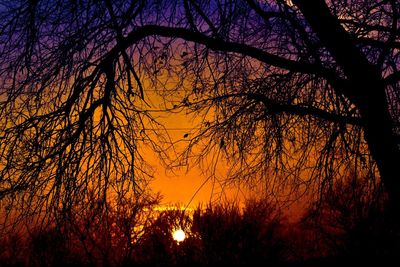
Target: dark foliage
pixel 214 235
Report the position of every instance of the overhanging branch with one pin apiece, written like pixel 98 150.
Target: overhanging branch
pixel 219 44
pixel 300 110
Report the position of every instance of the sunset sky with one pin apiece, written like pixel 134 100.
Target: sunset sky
pixel 186 185
pixel 199 133
pixel 193 185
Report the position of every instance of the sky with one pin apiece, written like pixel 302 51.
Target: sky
pixel 186 185
pixel 193 186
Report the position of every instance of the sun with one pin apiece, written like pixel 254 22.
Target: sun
pixel 178 235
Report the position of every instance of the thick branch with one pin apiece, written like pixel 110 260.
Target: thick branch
pixel 305 111
pixel 335 38
pixel 300 110
pixel 220 45
pixel 377 43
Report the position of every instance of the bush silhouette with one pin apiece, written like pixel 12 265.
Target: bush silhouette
pixel 352 225
pixel 342 229
pixel 251 236
pixel 221 234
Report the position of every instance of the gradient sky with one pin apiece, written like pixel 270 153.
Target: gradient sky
pixel 184 185
pixel 192 186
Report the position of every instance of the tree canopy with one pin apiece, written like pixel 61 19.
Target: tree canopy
pixel 298 91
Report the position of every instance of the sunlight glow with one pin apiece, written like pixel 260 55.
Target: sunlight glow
pixel 178 235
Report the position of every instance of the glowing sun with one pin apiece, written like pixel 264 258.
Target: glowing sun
pixel 178 235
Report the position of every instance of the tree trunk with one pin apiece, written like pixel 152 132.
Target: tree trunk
pixel 382 143
pixel 367 92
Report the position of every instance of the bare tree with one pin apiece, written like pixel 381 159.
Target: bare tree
pixel 306 89
pixel 72 114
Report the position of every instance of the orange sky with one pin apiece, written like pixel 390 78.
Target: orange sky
pixel 183 185
pixel 190 186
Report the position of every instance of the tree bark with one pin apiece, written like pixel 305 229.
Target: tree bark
pixel 367 93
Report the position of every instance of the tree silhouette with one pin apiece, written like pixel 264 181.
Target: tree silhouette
pixel 306 89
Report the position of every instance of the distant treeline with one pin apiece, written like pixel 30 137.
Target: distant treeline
pixel 345 227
